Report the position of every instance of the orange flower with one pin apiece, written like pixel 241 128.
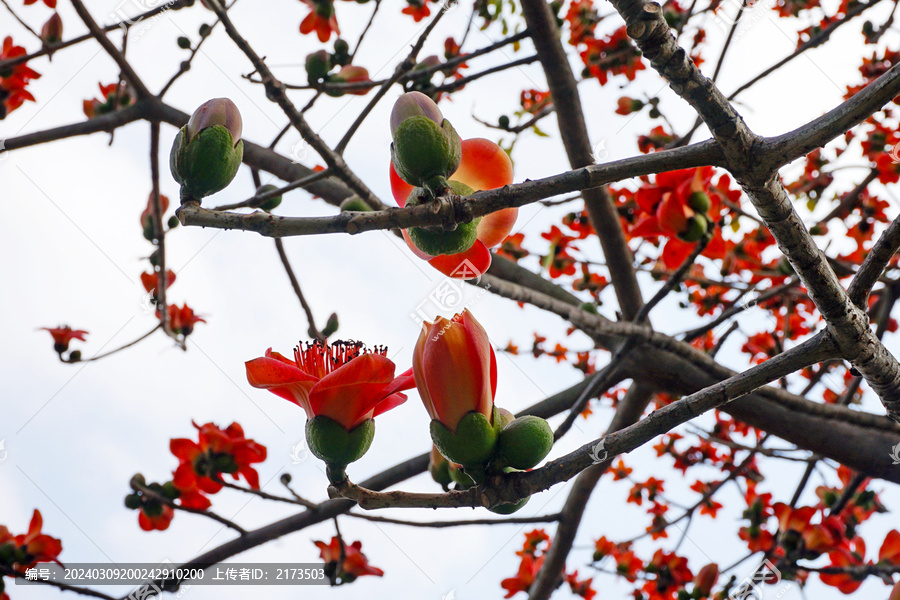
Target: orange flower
pixel 63 335
pixel 343 381
pixel 528 569
pixel 217 451
pixel 149 519
pixel 115 96
pixel 890 548
pixel 321 19
pixel 455 369
pixel 151 280
pixel 355 564
pixel 34 545
pixel 13 82
pixel 182 319
pixel 417 9
pixel 484 166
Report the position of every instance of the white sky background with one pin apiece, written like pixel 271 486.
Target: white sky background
pixel 73 254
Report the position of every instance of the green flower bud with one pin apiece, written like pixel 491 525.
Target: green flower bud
pixel 183 42
pixel 170 491
pixel 463 478
pixel 525 442
pixel 273 202
pixel 501 418
pixel 329 441
pixel 425 144
pixel 132 501
pixel 471 445
pixel 173 222
pixel 341 54
pixel 331 325
pixel 138 479
pixel 75 356
pixel 208 150
pixel 503 122
pixel 317 65
pixel 696 229
pixel 439 468
pixel 437 240
pixel 354 204
pixel 285 478
pixel 699 201
pixel 508 509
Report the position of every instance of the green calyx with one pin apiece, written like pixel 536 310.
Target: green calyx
pixel 423 150
pixel 437 240
pixel 699 202
pixel 696 229
pixel 525 442
pixel 273 202
pixel 508 508
pixel 471 445
pixel 328 440
pixel 207 163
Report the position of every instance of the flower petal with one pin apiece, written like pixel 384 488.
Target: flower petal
pixel 471 264
pixel 349 393
pixel 484 165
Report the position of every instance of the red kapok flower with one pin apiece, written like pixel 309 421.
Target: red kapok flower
pixel 182 319
pixel 217 451
pixel 528 570
pixel 355 564
pixel 159 522
pixel 50 3
pixel 115 96
pixel 343 381
pixel 484 166
pixel 151 280
pixel 455 369
pixel 13 82
pixel 38 547
pixel 63 335
pixel 417 9
pixel 321 19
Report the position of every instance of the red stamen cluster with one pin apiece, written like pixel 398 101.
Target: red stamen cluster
pixel 319 358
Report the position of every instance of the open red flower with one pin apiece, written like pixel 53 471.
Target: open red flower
pixel 528 570
pixel 13 82
pixel 484 166
pixel 115 96
pixel 182 319
pixel 159 522
pixel 151 280
pixel 355 564
pixel 455 369
pixel 63 335
pixel 37 546
pixel 674 205
pixel 217 451
pixel 321 19
pixel 343 381
pixel 417 9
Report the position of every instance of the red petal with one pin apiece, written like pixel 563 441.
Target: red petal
pixel 484 165
pixel 471 264
pixel 671 214
pixel 399 188
pixel 285 380
pixel 493 228
pixel 184 449
pixel 647 227
pixel 349 393
pixel 675 252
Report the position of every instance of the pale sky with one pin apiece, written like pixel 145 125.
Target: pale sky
pixel 74 252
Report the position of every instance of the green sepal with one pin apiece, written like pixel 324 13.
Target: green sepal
pixel 207 164
pixel 422 150
pixel 471 445
pixel 525 442
pixel 329 441
pixel 437 240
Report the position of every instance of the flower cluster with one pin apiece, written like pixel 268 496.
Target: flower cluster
pixel 532 554
pixel 14 81
pixel 345 562
pixel 23 551
pixel 201 467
